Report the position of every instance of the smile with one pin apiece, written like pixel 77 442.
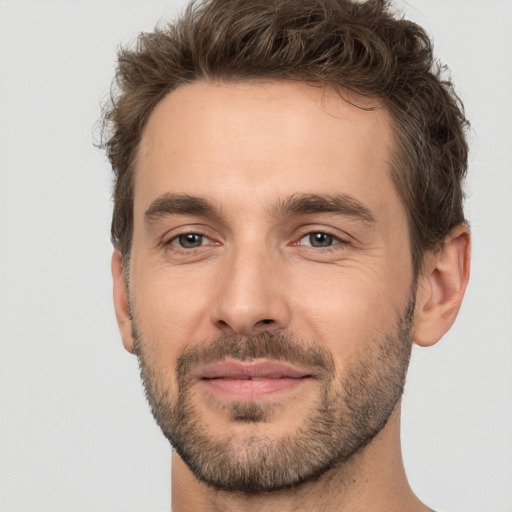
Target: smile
pixel 251 380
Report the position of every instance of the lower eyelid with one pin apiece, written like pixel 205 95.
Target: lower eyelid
pixel 173 242
pixel 336 239
pixel 207 240
pixel 176 240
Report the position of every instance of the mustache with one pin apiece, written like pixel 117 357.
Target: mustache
pixel 266 345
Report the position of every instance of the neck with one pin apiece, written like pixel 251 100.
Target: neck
pixel 373 479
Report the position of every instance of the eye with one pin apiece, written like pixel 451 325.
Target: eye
pixel 190 240
pixel 319 239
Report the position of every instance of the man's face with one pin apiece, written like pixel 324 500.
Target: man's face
pixel 270 283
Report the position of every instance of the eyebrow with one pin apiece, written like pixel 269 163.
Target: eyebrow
pixel 296 204
pixel 341 204
pixel 178 204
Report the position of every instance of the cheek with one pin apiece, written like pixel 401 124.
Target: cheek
pixel 349 312
pixel 170 308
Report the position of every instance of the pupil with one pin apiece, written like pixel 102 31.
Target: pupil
pixel 190 240
pixel 320 239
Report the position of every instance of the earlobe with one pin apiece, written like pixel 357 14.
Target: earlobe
pixel 121 302
pixel 441 287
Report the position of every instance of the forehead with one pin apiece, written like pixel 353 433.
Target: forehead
pixel 244 142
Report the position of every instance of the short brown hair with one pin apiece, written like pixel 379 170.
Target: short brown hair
pixel 359 46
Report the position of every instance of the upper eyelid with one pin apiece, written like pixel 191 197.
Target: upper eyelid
pixel 338 241
pixel 343 236
pixel 185 233
pixel 172 245
pixel 213 235
pixel 172 239
pixel 186 229
pixel 315 232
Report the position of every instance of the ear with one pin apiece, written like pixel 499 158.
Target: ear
pixel 121 302
pixel 441 287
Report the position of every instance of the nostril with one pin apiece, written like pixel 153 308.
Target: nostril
pixel 267 321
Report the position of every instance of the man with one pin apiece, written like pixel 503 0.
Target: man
pixel 287 222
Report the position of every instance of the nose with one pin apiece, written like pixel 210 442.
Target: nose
pixel 251 294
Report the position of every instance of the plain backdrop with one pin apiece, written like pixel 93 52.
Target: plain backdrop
pixel 75 431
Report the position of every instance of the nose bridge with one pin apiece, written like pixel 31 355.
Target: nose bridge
pixel 251 297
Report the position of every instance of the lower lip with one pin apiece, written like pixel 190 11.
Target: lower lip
pixel 252 389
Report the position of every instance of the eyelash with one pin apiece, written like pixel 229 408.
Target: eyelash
pixel 336 242
pixel 179 248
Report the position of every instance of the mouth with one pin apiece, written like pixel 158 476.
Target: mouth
pixel 251 380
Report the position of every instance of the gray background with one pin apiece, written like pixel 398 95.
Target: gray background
pixel 75 432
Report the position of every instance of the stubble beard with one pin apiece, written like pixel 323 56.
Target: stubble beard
pixel 348 411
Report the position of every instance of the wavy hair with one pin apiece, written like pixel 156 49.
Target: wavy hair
pixel 359 46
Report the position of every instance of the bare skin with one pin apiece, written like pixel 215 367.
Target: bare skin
pixel 245 150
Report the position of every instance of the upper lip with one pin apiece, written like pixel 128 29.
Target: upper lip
pixel 243 370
